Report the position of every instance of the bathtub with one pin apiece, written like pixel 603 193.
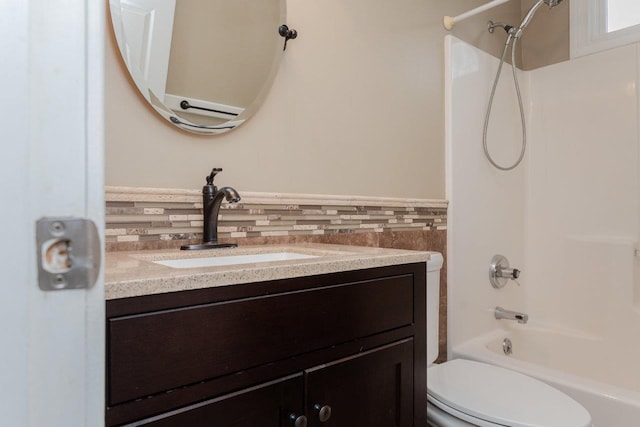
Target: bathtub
pixel 604 381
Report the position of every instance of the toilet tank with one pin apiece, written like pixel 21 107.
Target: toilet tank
pixel 433 303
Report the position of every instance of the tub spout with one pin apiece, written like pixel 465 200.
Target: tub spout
pixel 501 313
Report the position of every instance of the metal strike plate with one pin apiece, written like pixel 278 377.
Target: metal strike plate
pixel 69 253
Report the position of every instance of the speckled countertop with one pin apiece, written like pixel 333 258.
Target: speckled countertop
pixel 130 274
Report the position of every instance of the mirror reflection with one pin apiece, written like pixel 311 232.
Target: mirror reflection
pixel 204 65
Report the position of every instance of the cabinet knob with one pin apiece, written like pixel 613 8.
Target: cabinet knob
pixel 298 420
pixel 324 412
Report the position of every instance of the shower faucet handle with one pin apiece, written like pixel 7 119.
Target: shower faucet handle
pixel 509 273
pixel 500 272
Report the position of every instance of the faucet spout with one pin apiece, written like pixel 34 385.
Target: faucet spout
pixel 501 313
pixel 211 209
pixel 211 202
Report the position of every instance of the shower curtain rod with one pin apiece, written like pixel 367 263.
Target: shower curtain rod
pixel 449 21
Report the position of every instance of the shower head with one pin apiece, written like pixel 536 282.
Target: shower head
pixel 527 18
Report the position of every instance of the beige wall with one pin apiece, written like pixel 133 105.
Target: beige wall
pixel 474 30
pixel 356 108
pixel 546 40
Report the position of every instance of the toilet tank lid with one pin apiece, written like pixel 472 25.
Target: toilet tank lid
pixel 501 396
pixel 435 262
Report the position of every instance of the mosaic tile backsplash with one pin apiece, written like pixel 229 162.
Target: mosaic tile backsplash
pixel 157 215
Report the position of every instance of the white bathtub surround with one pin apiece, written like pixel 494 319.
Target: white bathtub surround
pixel 486 206
pixel 583 195
pixel 569 221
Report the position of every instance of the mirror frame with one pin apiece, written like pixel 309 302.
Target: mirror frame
pixel 117 26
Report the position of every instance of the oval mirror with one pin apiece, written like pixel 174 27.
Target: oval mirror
pixel 204 65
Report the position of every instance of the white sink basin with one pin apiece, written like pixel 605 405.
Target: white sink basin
pixel 218 261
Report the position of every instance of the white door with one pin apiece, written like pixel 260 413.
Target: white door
pixel 51 165
pixel 144 38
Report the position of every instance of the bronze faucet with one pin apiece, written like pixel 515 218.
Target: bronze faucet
pixel 211 201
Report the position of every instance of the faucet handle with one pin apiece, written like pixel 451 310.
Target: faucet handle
pixel 500 272
pixel 212 175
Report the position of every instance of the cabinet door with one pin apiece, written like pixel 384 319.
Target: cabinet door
pixel 266 405
pixel 373 389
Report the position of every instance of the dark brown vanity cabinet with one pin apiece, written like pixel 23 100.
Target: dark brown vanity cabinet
pixel 339 349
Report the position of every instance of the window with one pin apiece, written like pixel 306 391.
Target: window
pixel 603 24
pixel 622 14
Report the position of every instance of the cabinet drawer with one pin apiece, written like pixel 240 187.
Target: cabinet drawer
pixel 159 351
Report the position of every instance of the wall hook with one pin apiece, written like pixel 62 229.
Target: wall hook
pixel 288 34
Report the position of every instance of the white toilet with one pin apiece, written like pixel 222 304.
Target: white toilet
pixel 464 393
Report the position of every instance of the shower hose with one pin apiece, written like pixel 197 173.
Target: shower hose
pixel 493 91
